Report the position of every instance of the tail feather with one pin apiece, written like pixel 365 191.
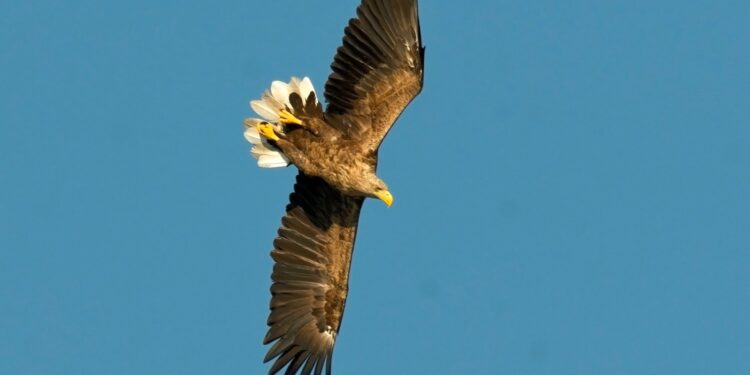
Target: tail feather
pixel 268 156
pixel 268 106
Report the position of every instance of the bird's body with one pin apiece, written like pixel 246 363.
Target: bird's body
pixel 377 72
pixel 324 151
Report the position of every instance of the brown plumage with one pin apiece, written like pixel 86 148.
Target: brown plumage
pixel 376 73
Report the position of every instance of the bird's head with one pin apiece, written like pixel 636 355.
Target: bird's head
pixel 376 188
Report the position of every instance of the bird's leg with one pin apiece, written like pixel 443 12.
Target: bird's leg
pixel 287 118
pixel 265 129
pixel 288 148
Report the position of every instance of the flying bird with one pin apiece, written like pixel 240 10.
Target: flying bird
pixel 376 73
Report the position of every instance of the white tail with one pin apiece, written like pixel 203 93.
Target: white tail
pixel 272 101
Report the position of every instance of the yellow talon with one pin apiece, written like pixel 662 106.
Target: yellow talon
pixel 266 130
pixel 287 118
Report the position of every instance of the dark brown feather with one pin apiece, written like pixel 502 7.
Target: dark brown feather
pixel 377 71
pixel 313 253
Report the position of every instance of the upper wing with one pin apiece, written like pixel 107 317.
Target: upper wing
pixel 313 253
pixel 377 71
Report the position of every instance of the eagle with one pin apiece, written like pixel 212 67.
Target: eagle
pixel 376 73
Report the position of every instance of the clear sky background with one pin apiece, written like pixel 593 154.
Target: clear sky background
pixel 571 189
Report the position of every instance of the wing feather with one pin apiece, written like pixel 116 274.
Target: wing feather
pixel 377 71
pixel 313 253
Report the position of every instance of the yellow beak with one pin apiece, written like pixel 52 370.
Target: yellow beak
pixel 385 196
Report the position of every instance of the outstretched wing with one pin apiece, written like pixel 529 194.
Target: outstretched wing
pixel 377 71
pixel 313 252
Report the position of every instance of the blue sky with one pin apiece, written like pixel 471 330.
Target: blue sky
pixel 571 189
